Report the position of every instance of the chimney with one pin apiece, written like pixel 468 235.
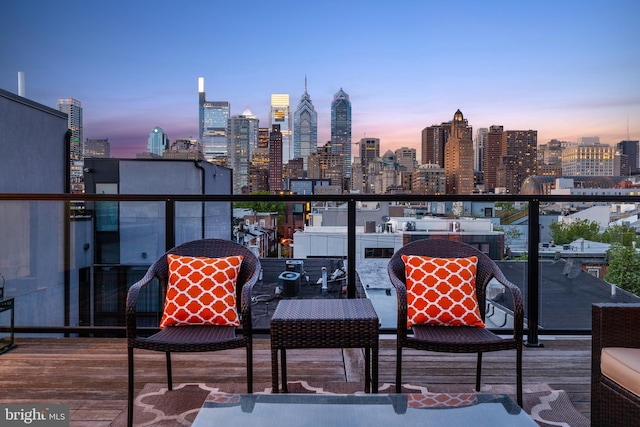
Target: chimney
pixel 21 91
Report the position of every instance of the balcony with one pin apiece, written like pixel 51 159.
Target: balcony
pixel 69 270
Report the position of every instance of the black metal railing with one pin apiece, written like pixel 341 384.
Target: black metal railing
pixel 535 202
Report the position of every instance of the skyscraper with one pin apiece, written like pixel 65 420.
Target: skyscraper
pixel 281 116
pixel 341 129
pixel 458 157
pixel 214 118
pixel 492 156
pixel 158 141
pixel 243 135
pixel 305 128
pixel 73 108
pixel 275 159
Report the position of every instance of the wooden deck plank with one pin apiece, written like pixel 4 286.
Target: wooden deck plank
pixel 90 374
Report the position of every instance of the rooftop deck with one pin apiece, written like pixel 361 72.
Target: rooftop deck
pixel 90 374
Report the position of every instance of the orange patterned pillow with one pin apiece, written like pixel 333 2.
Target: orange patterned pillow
pixel 441 291
pixel 201 291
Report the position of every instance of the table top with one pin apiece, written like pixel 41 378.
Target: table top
pixel 329 309
pixel 355 410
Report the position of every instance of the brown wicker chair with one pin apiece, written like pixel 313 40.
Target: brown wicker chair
pixel 194 338
pixel 456 339
pixel 613 325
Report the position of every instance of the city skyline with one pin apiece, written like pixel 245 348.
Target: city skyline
pixel 566 69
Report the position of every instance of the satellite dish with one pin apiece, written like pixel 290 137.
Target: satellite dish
pixel 385 218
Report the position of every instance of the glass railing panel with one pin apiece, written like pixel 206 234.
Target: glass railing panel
pixel 578 261
pixel 32 261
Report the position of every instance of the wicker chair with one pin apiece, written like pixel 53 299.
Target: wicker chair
pixel 613 325
pixel 194 338
pixel 456 339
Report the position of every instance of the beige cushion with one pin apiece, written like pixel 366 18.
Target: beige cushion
pixel 622 365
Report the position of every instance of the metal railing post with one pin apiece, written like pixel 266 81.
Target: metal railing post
pixel 533 274
pixel 169 223
pixel 351 248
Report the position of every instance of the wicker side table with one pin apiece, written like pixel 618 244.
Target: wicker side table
pixel 330 323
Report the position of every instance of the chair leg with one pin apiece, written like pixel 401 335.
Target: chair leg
pixel 478 371
pixel 169 377
pixel 130 388
pixel 519 376
pixel 249 369
pixel 399 370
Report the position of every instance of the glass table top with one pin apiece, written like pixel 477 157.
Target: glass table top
pixel 370 410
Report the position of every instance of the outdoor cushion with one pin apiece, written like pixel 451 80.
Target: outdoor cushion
pixel 201 291
pixel 622 365
pixel 441 291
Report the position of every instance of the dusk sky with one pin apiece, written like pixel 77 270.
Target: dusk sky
pixel 567 69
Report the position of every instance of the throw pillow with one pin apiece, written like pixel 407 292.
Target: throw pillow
pixel 201 291
pixel 441 291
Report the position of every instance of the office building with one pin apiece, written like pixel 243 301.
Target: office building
pixel 99 148
pixel 630 148
pixel 158 141
pixel 281 116
pixel 458 158
pixel 214 119
pixel 305 128
pixel 243 135
pixel 590 159
pixel 341 129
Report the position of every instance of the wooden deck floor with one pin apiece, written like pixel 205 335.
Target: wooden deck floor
pixel 90 374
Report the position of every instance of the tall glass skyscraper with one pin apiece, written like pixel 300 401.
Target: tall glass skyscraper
pixel 158 141
pixel 341 128
pixel 305 128
pixel 214 118
pixel 281 115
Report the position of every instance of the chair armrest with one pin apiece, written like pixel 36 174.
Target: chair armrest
pixel 518 305
pixel 132 302
pixel 615 325
pixel 246 296
pixel 401 294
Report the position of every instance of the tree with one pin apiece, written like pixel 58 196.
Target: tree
pixel 563 232
pixel 279 207
pixel 624 268
pixel 622 234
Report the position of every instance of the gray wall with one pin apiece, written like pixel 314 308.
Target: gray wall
pixel 33 160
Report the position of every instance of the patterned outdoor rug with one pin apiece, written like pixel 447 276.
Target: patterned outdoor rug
pixel 155 406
